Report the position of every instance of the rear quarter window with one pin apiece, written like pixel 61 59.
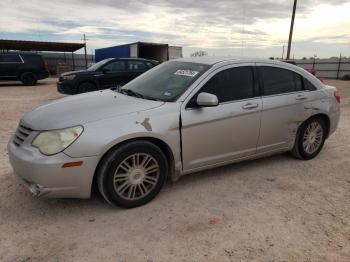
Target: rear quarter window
pixel 308 85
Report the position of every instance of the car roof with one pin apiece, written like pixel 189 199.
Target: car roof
pixel 19 53
pixel 212 60
pixel 222 61
pixel 136 58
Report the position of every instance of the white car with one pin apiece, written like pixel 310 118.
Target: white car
pixel 180 117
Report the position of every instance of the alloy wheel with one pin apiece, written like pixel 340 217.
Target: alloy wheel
pixel 312 138
pixel 136 176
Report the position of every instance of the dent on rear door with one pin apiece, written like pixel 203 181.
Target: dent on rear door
pixel 282 116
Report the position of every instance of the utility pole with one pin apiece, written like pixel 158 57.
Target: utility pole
pixel 84 39
pixel 282 52
pixel 291 30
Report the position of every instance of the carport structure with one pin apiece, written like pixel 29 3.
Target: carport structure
pixel 21 45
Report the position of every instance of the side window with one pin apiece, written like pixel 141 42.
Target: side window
pixel 277 80
pixel 231 84
pixel 308 85
pixel 10 58
pixel 115 66
pixel 136 66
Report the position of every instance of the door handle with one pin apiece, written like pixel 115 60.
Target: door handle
pixel 301 97
pixel 250 106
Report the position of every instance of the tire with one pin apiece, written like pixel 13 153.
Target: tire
pixel 28 79
pixel 310 139
pixel 122 176
pixel 86 87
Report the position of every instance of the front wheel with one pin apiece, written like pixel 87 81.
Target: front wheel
pixel 132 174
pixel 310 139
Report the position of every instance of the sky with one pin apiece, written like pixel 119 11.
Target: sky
pixel 250 28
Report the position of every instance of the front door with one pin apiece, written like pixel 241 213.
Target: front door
pixel 217 135
pixel 114 74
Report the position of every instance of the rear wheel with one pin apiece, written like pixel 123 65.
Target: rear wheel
pixel 86 87
pixel 310 139
pixel 28 79
pixel 132 174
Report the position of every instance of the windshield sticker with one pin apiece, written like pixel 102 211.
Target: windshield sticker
pixel 167 93
pixel 189 73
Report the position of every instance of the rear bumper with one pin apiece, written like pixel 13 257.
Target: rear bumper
pixel 44 175
pixel 334 121
pixel 43 75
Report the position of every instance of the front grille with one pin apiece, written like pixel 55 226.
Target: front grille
pixel 21 134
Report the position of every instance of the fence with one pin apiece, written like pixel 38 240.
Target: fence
pixel 68 61
pixel 334 68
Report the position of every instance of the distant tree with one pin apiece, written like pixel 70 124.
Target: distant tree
pixel 271 58
pixel 304 58
pixel 199 53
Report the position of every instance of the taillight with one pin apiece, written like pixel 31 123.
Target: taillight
pixel 337 96
pixel 46 66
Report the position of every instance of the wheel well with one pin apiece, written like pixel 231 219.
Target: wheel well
pixel 326 120
pixel 161 144
pixel 21 73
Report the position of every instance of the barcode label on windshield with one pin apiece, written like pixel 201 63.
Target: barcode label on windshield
pixel 189 73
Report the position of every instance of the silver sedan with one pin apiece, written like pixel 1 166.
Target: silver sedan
pixel 178 118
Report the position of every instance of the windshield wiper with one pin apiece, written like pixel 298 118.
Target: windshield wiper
pixel 130 92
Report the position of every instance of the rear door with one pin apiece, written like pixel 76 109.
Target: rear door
pixel 286 104
pixel 136 68
pixel 229 131
pixel 9 64
pixel 113 74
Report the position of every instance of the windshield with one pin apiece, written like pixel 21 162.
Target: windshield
pixel 166 82
pixel 98 64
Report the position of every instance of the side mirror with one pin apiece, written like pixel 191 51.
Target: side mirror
pixel 206 99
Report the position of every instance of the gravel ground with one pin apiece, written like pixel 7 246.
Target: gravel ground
pixel 272 209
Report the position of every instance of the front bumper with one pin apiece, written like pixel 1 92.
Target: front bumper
pixel 66 87
pixel 44 175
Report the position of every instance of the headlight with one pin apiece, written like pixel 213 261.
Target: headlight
pixel 69 77
pixel 55 141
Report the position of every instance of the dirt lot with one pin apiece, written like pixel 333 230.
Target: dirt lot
pixel 272 209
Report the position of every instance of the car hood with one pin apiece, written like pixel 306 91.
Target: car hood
pixel 83 108
pixel 75 72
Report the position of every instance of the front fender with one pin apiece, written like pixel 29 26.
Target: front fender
pixel 99 136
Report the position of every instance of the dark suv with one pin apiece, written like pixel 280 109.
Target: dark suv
pixel 26 67
pixel 111 72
